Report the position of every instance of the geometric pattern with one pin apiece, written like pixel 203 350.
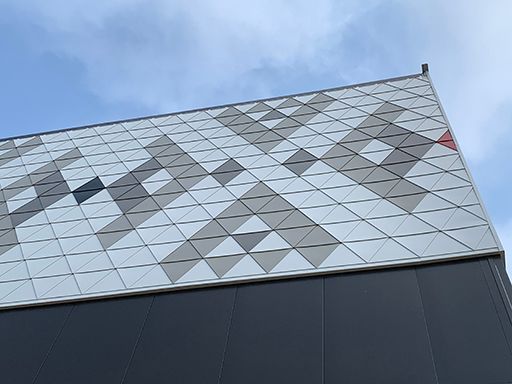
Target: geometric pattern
pixel 346 178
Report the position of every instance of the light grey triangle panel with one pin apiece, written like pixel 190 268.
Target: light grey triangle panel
pixel 398 164
pixel 177 270
pixel 316 255
pixel 273 115
pixel 49 185
pixel 49 190
pixel 241 120
pixel 470 237
pixel 16 187
pixel 146 170
pixel 132 197
pixel 294 236
pixel 269 259
pixel 287 127
pixel 250 132
pixel 300 161
pixel 259 107
pixel 18 151
pixel 229 115
pixel 288 103
pixel 304 110
pixel 221 265
pixel 6 145
pixel 268 141
pixel 201 271
pixel 249 240
pixel 114 231
pixel 227 171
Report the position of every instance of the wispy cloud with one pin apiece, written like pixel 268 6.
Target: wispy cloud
pixel 169 55
pixel 164 54
pixel 467 44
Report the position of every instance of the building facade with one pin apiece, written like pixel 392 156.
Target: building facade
pixel 333 236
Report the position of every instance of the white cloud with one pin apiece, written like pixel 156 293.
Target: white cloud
pixel 170 55
pixel 467 45
pixel 164 54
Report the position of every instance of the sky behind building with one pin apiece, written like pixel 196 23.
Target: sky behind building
pixel 67 64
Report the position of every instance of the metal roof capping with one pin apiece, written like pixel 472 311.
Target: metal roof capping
pixel 355 177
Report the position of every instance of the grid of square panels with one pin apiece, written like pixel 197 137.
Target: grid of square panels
pixel 339 179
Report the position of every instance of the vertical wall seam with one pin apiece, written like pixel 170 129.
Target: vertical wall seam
pixel 228 332
pixel 494 299
pixel 53 344
pixel 139 336
pixel 426 325
pixel 323 330
pixel 503 290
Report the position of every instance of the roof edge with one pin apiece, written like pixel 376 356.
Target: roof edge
pixel 153 116
pixel 465 163
pixel 254 279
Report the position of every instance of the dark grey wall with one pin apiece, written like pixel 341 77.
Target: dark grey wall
pixel 441 323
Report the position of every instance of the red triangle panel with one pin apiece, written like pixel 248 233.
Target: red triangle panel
pixel 447 140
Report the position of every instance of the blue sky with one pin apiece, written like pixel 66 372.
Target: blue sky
pixel 71 63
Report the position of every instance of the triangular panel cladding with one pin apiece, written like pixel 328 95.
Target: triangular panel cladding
pixel 344 178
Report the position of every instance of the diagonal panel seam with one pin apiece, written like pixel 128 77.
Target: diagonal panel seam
pixel 228 331
pixel 138 340
pixel 426 325
pixel 486 265
pixel 53 344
